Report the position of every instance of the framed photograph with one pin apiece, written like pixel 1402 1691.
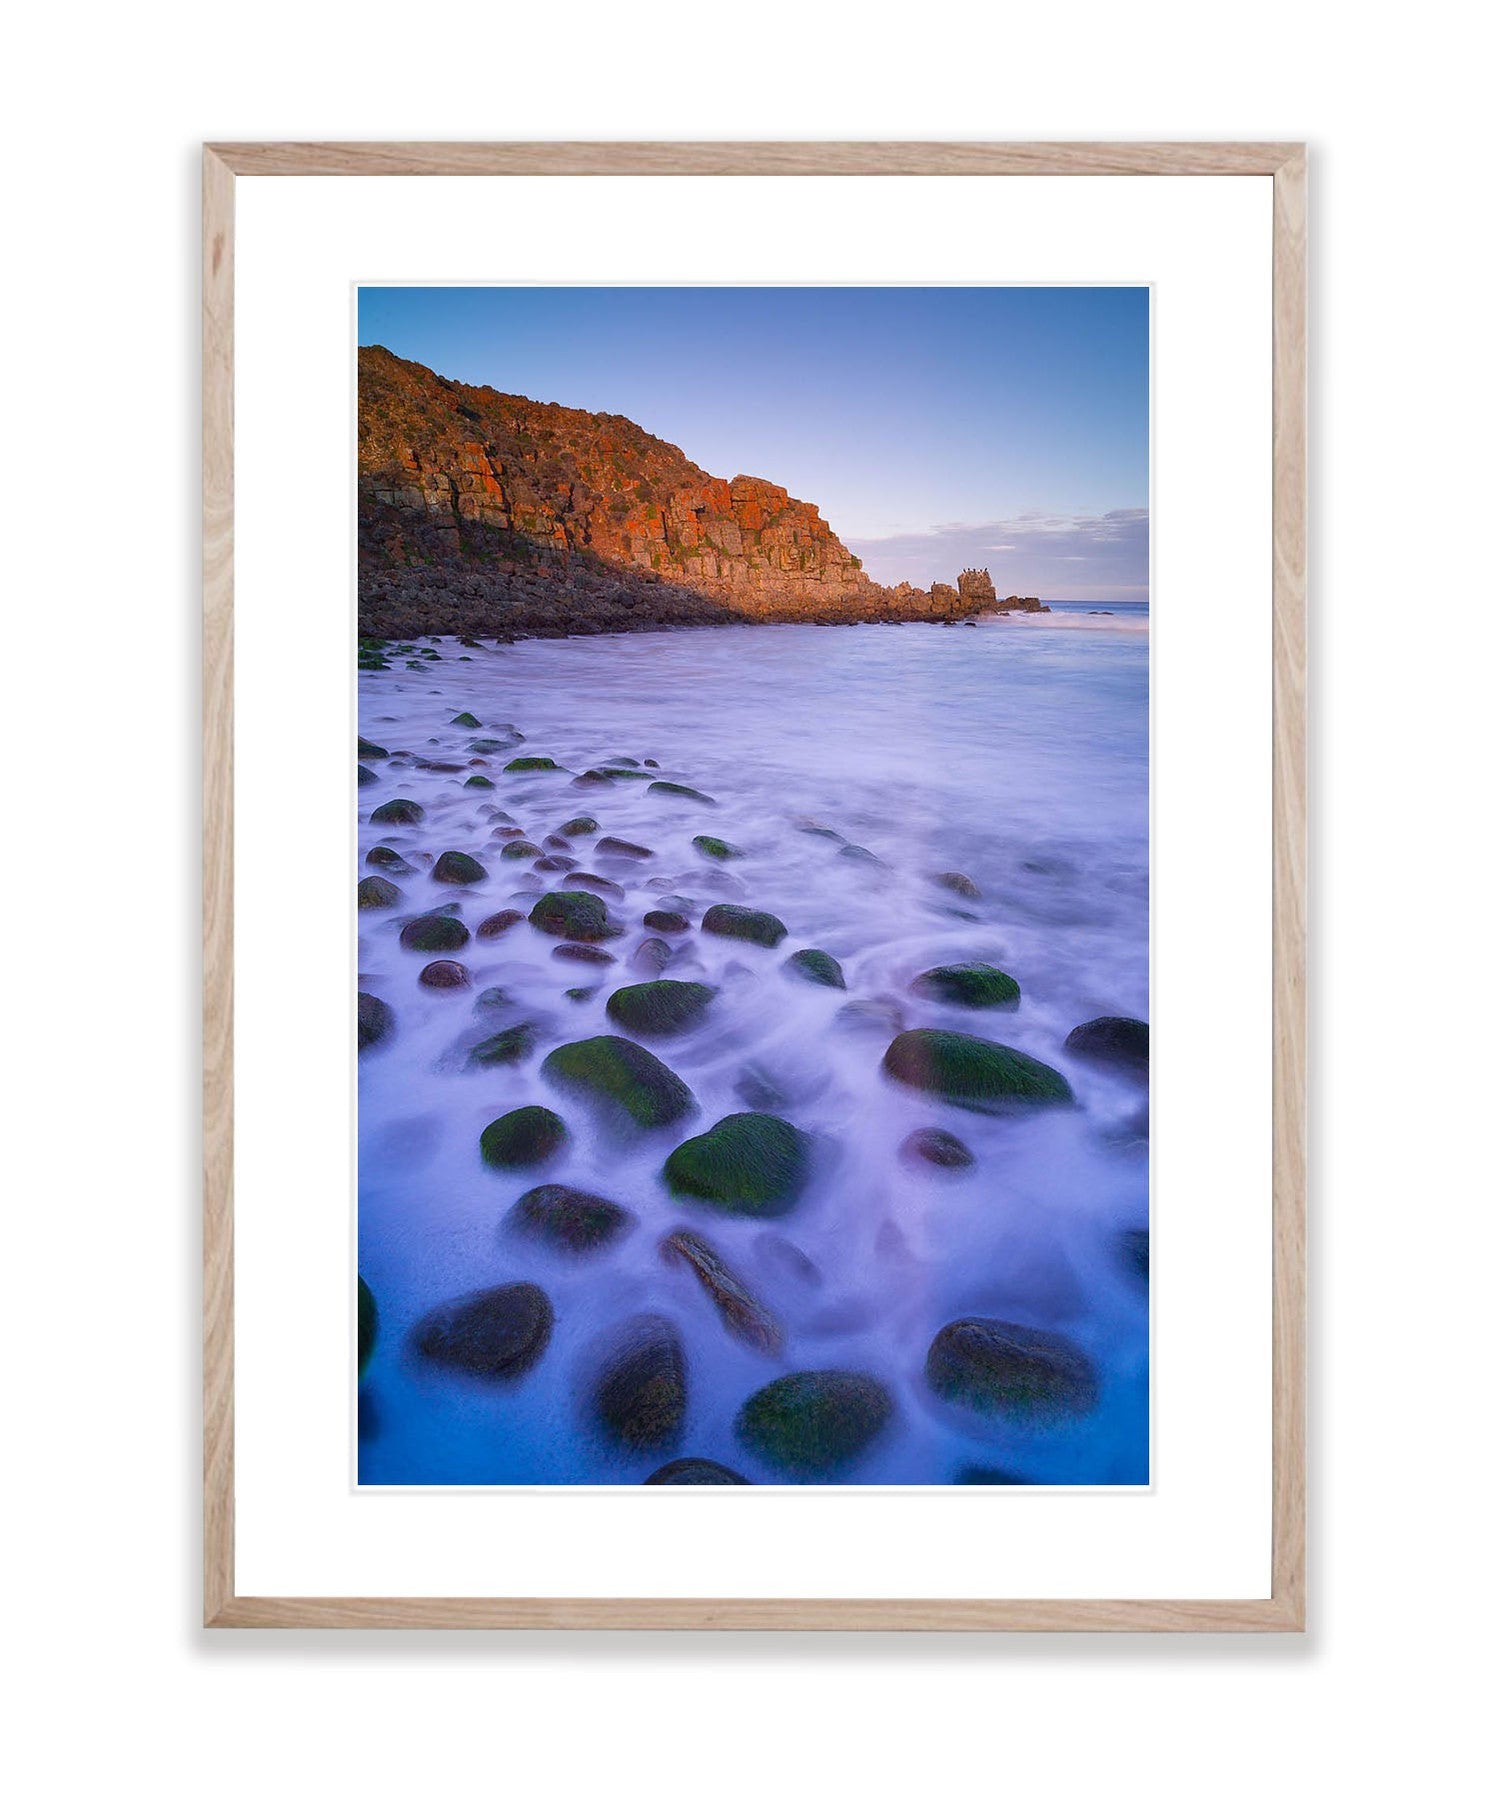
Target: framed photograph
pixel 744 684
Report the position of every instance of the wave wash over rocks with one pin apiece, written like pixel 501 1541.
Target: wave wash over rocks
pixel 907 805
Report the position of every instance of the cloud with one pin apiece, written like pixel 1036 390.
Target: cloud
pixel 1056 556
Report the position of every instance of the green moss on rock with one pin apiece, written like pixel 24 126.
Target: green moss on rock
pixel 505 1048
pixel 580 917
pixel 521 1138
pixel 813 1424
pixel 376 893
pixel 531 765
pixel 974 1073
pixel 495 1334
pixel 969 984
pixel 751 1163
pixel 581 826
pixel 817 966
pixel 398 812
pixel 626 1079
pixel 457 869
pixel 744 923
pixel 993 1366
pixel 467 720
pixel 434 931
pixel 676 790
pixel 660 1008
pixel 716 849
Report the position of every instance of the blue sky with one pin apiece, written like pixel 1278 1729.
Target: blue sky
pixel 934 427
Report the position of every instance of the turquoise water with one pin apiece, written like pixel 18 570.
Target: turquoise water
pixel 1015 752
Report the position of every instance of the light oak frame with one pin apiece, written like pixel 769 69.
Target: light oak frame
pixel 1285 163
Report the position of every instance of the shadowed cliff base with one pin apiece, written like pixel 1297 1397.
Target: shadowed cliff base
pixel 490 515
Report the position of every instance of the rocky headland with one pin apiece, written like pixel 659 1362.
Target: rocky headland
pixel 490 515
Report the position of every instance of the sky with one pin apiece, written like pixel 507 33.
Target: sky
pixel 935 428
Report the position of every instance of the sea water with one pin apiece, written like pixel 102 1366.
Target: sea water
pixel 1014 753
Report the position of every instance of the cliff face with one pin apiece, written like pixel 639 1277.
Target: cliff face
pixel 483 512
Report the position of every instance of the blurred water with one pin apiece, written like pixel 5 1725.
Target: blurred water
pixel 1016 753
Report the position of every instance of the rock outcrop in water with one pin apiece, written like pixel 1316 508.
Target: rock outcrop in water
pixel 495 515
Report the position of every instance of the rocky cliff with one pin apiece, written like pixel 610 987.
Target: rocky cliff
pixel 489 514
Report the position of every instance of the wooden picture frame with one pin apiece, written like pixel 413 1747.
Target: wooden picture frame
pixel 1285 163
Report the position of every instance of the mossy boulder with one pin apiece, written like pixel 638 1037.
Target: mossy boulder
pixel 671 922
pixel 531 765
pixel 695 1471
pixel 382 856
pixel 813 1424
pixel 1118 1043
pixel 457 869
pixel 478 781
pixel 368 777
pixel 444 974
pixel 569 1218
pixel 674 790
pixel 520 849
pixel 505 1048
pixel 958 883
pixel 581 826
pixel 376 893
pixel 716 849
pixel 376 1020
pixel 467 720
pixel 522 1138
pixel 969 984
pixel 817 966
pixel 398 812
pixel 992 1366
pixel 660 1008
pixel 640 1394
pixel 974 1073
pixel 579 916
pixel 369 1324
pixel 494 1334
pixel 744 923
pixel 626 1080
pixel 371 752
pixel 752 1164
pixel 939 1149
pixel 430 932
pixel 498 923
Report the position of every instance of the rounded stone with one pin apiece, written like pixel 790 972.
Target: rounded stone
pixel 457 869
pixel 495 1334
pixel 444 974
pixel 813 1424
pixel 817 966
pixel 531 765
pixel 695 1471
pixel 744 923
pixel 640 1394
pixel 941 1149
pixel 752 1164
pixel 398 812
pixel 623 848
pixel 670 922
pixel 717 849
pixel 625 1079
pixel 376 1020
pixel 505 1048
pixel 434 931
pixel 568 1217
pixel 581 826
pixel 969 984
pixel 974 1073
pixel 498 923
pixel 578 916
pixel 660 1008
pixel 522 1138
pixel 675 790
pixel 1118 1043
pixel 382 856
pixel 990 1365
pixel 376 893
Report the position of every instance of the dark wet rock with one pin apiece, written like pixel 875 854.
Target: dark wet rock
pixel 467 720
pixel 627 1080
pixel 369 1319
pixel 434 931
pixel 1119 1043
pixel 498 923
pixel 855 852
pixel 521 1138
pixel 881 1015
pixel 973 1474
pixel 716 849
pixel 621 762
pixel 505 1048
pixel 592 777
pixel 817 966
pixel 508 832
pixel 695 1471
pixel 435 767
pixel 599 884
pixel 673 922
pixel 582 952
pixel 532 765
pixel 496 1334
pixel 376 1020
pixel 974 1073
pixel 580 917
pixel 814 1424
pixel 457 869
pixel 569 1218
pixel 479 781
pixel 745 924
pixel 958 883
pixel 640 1396
pixel 367 777
pixel 382 856
pixel 398 812
pixel 809 829
pixel 444 974
pixel 520 849
pixel 554 865
pixel 623 848
pixel 492 746
pixel 990 1365
pixel 660 1008
pixel 581 826
pixel 744 1316
pixel 578 994
pixel 650 957
pixel 375 892
pixel 969 984
pixel 941 1149
pixel 1134 1247
pixel 750 1163
pixel 675 790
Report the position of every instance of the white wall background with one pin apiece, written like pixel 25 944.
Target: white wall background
pixel 104 112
